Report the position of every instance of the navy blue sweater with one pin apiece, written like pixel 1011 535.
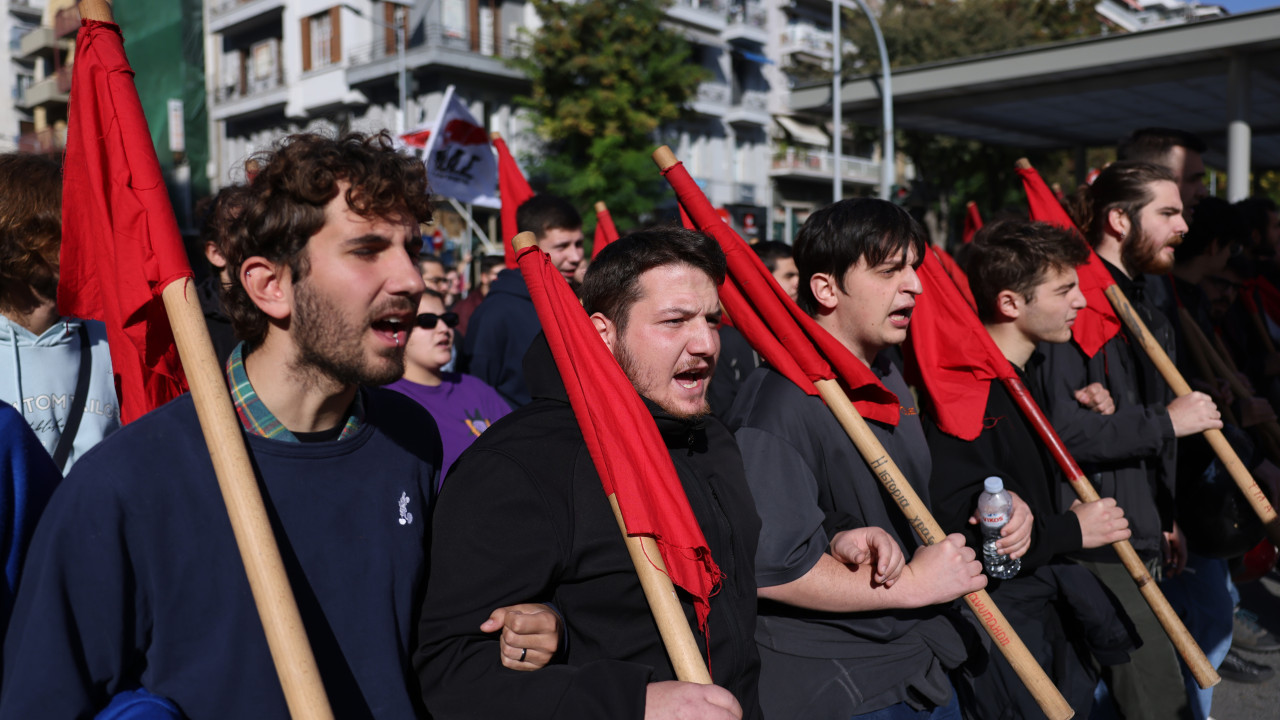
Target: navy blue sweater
pixel 134 577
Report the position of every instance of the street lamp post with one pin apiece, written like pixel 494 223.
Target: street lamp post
pixel 888 169
pixel 402 68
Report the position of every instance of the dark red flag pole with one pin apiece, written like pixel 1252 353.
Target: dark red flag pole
pixel 1230 460
pixel 286 637
pixel 764 339
pixel 645 552
pixel 939 293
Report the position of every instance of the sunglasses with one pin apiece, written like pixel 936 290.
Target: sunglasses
pixel 427 321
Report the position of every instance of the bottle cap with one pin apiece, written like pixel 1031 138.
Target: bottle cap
pixel 993 485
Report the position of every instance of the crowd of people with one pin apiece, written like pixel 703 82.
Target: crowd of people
pixel 443 525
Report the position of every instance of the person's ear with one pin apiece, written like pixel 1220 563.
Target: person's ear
pixel 825 290
pixel 269 286
pixel 1009 304
pixel 608 331
pixel 1118 223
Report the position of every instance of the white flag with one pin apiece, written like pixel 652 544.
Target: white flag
pixel 459 158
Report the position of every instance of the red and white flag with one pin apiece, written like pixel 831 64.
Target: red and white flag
pixel 460 164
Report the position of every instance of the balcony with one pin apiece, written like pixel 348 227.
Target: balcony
pixel 437 48
pixel 24 9
pixel 747 23
pixel 49 91
pixel 817 165
pixel 257 95
pixel 750 107
pixel 712 99
pixel 226 14
pixel 40 42
pixel 807 44
pixel 703 14
pixel 43 142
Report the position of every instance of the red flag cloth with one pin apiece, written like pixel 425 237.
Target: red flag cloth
pixel 952 354
pixel 958 278
pixel 684 218
pixel 513 190
pixel 1266 292
pixel 606 232
pixel 120 241
pixel 621 436
pixel 972 221
pixel 1097 322
pixel 812 349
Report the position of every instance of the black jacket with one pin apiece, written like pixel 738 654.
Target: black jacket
pixel 1129 455
pixel 1007 448
pixel 523 518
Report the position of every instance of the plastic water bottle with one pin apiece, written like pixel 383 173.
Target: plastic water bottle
pixel 994 508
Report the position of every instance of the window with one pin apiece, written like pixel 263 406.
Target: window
pixel 321 41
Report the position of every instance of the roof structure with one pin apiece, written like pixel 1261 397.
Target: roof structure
pixel 1091 93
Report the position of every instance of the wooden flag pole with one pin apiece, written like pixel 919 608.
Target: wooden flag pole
pixel 287 639
pixel 1201 668
pixel 1257 499
pixel 665 605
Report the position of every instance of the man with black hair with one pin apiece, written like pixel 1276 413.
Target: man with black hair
pixel 1132 216
pixel 503 328
pixel 490 267
pixel 1178 150
pixel 846 629
pixel 523 514
pixel 1024 281
pixel 135 580
pixel 779 258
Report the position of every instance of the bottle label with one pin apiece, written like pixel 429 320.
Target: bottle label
pixel 995 519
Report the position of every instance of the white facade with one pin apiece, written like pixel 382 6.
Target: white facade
pixel 21 62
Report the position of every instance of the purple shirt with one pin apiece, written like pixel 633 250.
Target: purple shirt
pixel 463 407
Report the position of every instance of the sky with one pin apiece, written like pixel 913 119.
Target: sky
pixel 1239 6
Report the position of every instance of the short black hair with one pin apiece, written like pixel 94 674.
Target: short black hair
pixel 1215 219
pixel 1153 144
pixel 1016 255
pixel 612 283
pixel 544 212
pixel 834 238
pixel 489 262
pixel 1255 212
pixel 771 251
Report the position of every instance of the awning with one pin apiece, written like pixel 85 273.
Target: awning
pixel 803 132
pixel 754 57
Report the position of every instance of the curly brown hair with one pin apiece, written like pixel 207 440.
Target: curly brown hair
pixel 275 215
pixel 30 228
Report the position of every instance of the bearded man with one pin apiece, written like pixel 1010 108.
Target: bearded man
pixel 1132 216
pixel 135 583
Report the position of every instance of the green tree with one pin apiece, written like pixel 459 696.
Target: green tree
pixel 950 170
pixel 605 75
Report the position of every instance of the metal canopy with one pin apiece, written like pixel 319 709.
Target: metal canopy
pixel 1089 92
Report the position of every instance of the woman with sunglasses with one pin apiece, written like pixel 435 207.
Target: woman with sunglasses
pixel 462 405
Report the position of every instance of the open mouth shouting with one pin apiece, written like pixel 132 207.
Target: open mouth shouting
pixel 393 328
pixel 901 317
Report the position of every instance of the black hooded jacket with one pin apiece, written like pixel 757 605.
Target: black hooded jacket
pixel 523 517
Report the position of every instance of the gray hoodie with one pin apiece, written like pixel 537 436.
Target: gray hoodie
pixel 38 377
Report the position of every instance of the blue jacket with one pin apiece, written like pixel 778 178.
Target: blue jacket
pixel 500 333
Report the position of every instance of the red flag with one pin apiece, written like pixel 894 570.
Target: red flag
pixel 513 190
pixel 120 241
pixel 765 314
pixel 972 221
pixel 623 440
pixel 1097 322
pixel 1266 292
pixel 957 275
pixel 952 354
pixel 684 218
pixel 606 231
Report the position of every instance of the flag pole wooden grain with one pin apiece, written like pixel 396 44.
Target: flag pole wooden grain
pixel 287 639
pixel 668 613
pixel 1046 694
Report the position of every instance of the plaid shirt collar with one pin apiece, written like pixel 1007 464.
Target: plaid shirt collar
pixel 257 419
